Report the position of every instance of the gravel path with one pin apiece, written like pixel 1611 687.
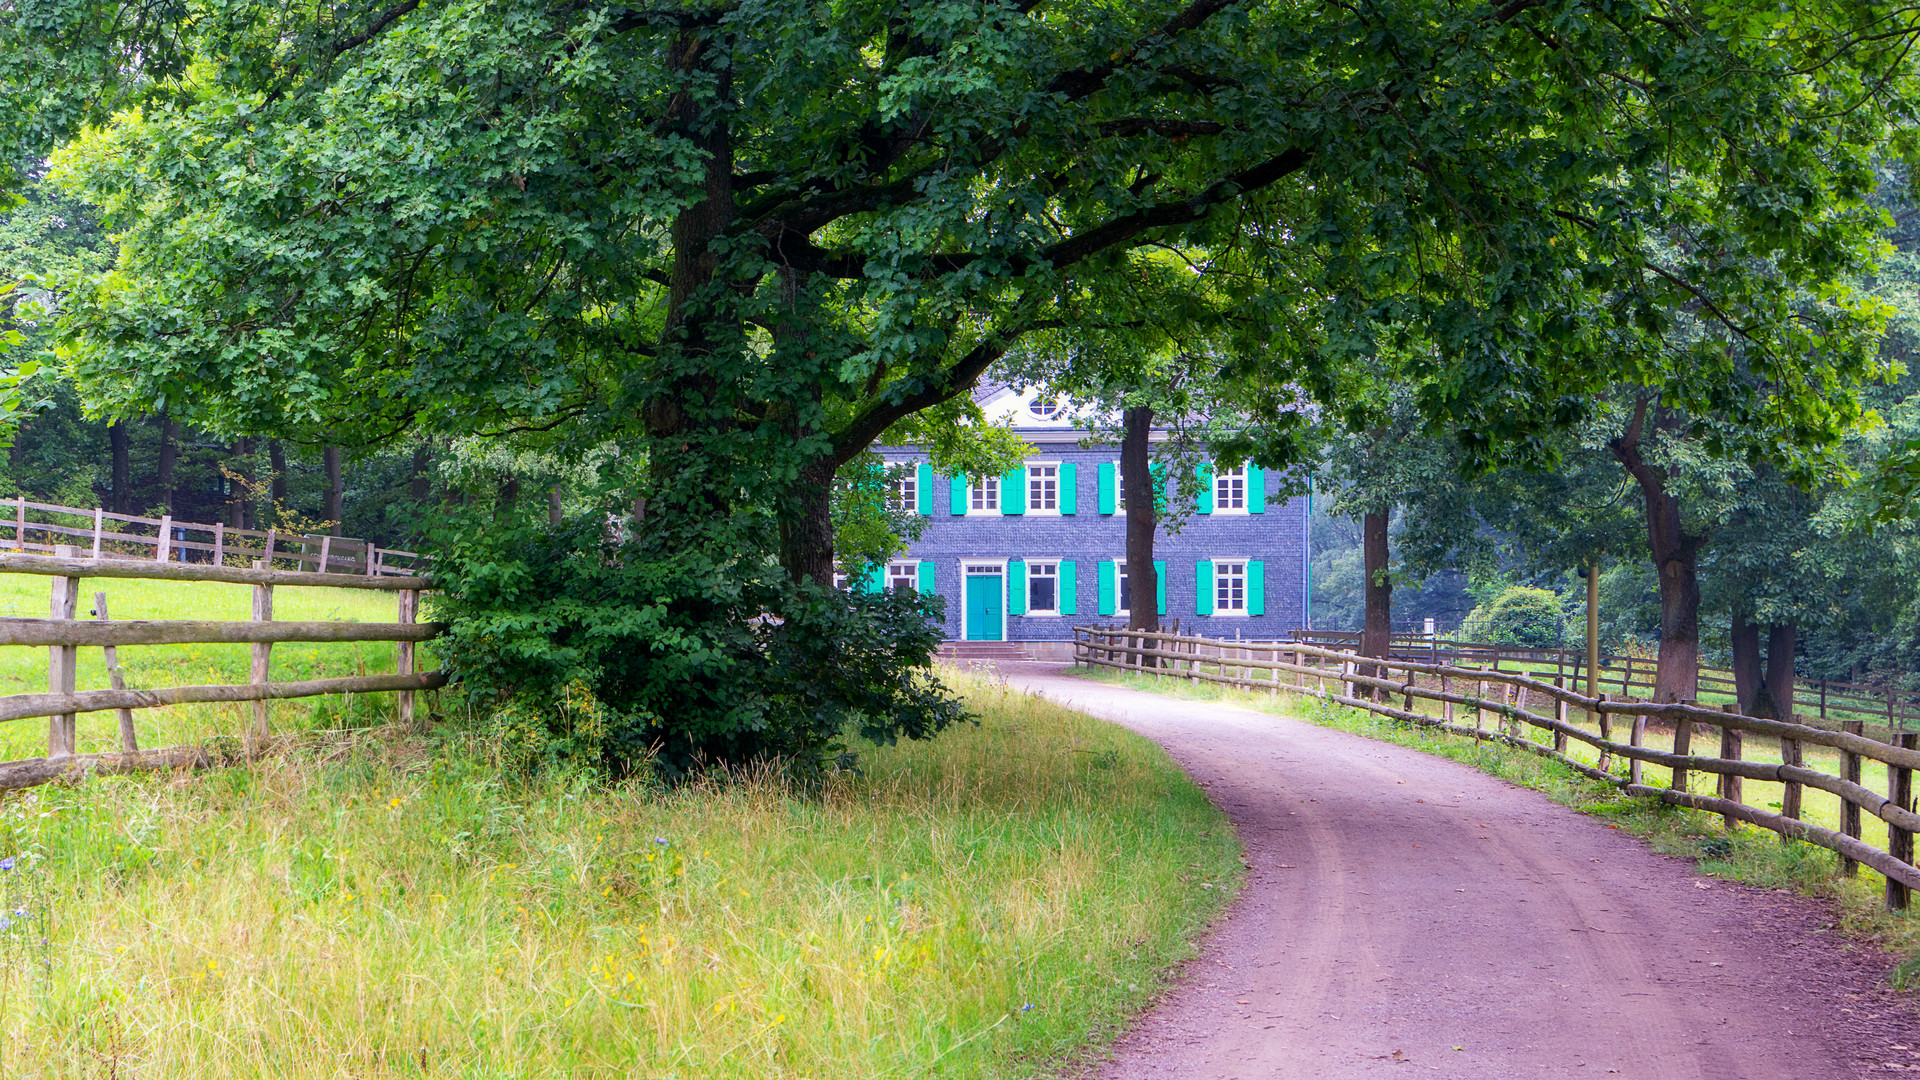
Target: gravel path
pixel 1408 916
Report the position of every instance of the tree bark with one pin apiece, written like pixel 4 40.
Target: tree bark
pixel 806 536
pixel 240 504
pixel 420 479
pixel 554 512
pixel 1136 475
pixel 122 469
pixel 336 490
pixel 1376 636
pixel 1676 557
pixel 1782 639
pixel 1747 678
pixel 277 461
pixel 169 454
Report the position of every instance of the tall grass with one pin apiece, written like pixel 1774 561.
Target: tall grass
pixel 989 903
pixel 1743 853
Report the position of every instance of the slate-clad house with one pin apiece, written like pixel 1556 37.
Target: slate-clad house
pixel 1025 556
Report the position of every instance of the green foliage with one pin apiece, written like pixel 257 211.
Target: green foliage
pixel 869 526
pixel 617 655
pixel 1520 615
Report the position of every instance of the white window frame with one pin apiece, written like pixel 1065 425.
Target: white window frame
pixel 1220 578
pixel 903 491
pixel 1000 566
pixel 1033 507
pixel 842 579
pixel 1054 566
pixel 987 483
pixel 1120 588
pixel 1119 490
pixel 1222 477
pixel 910 573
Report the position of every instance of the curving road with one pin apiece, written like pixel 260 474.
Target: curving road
pixel 1406 916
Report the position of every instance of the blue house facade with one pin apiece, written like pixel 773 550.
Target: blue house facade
pixel 1026 556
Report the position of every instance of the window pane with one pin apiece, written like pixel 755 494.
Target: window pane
pixel 1040 593
pixel 1126 593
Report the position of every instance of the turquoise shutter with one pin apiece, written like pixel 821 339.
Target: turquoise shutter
pixel 1203 587
pixel 1016 587
pixel 1160 585
pixel 926 578
pixel 1256 489
pixel 1203 488
pixel 1068 597
pixel 1013 491
pixel 958 500
pixel 878 580
pixel 1109 489
pixel 923 491
pixel 1256 588
pixel 1069 487
pixel 1109 587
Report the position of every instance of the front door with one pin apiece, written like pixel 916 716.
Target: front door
pixel 983 606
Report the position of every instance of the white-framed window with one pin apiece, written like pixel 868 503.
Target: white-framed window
pixel 840 580
pixel 1045 408
pixel 1119 489
pixel 903 491
pixel 1229 587
pixel 1043 489
pixel 1125 601
pixel 1043 587
pixel 983 496
pixel 1230 490
pixel 903 575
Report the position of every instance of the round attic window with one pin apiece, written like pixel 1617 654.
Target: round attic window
pixel 1045 408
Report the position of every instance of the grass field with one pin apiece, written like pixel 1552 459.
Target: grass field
pixel 990 903
pixel 24 670
pixel 1745 854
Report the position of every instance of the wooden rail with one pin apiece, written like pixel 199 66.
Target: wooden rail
pixel 1629 675
pixel 64 633
pixel 1340 677
pixel 107 535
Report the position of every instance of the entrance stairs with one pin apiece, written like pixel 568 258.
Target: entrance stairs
pixel 984 650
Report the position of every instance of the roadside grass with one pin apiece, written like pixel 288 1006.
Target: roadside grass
pixel 24 670
pixel 990 903
pixel 1746 854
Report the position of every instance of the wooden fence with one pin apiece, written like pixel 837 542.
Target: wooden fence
pixel 1632 676
pixel 107 535
pixel 65 633
pixel 1342 677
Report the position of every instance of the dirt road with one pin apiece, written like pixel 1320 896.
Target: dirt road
pixel 1407 916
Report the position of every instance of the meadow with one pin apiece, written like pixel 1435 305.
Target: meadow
pixel 380 903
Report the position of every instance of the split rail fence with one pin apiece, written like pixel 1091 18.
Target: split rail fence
pixel 1822 698
pixel 64 632
pixel 1498 709
pixel 108 535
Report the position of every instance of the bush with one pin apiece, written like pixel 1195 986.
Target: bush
pixel 1518 616
pixel 577 649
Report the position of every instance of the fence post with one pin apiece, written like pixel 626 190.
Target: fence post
pixel 409 608
pixel 20 524
pixel 1849 769
pixel 262 655
pixel 1636 737
pixel 62 660
pixel 1730 785
pixel 163 551
pixel 1823 699
pixel 1606 730
pixel 1515 726
pixel 1560 714
pixel 326 554
pixel 1900 841
pixel 270 539
pixel 219 543
pixel 1446 707
pixel 1480 708
pixel 129 739
pixel 96 531
pixel 1682 746
pixel 1790 798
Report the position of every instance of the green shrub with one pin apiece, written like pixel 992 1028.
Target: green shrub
pixel 578 649
pixel 1517 616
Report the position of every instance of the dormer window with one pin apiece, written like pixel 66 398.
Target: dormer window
pixel 1044 408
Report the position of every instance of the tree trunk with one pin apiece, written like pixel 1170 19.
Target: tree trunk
pixel 806 535
pixel 1747 680
pixel 240 503
pixel 1782 639
pixel 1376 637
pixel 277 461
pixel 336 490
pixel 1676 556
pixel 555 515
pixel 1136 475
pixel 420 480
pixel 122 469
pixel 169 454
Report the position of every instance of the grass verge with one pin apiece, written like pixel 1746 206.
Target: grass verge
pixel 990 903
pixel 1746 854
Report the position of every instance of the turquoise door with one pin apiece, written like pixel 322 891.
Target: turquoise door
pixel 983 607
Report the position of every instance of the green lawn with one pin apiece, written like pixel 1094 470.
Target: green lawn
pixel 24 670
pixel 991 903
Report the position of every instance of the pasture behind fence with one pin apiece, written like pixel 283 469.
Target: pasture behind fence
pixel 1346 678
pixel 64 632
pixel 107 535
